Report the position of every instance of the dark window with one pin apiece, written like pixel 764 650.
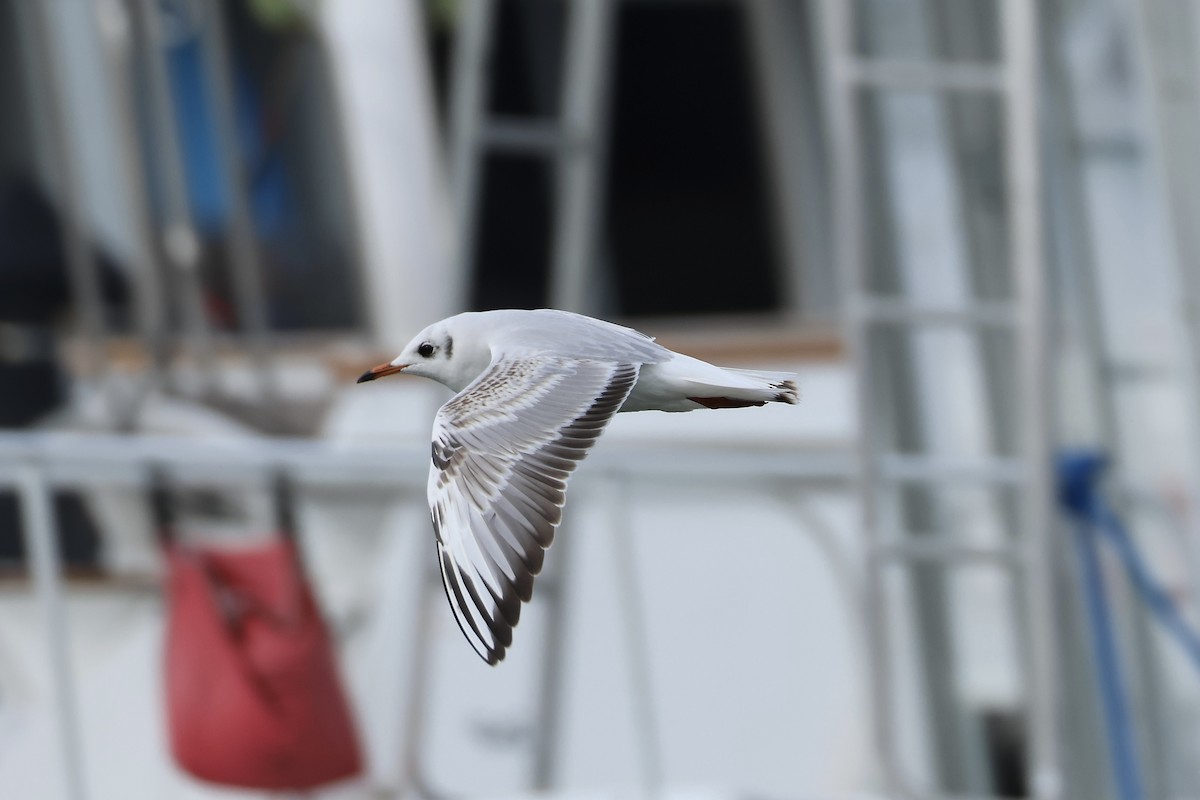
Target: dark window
pixel 686 223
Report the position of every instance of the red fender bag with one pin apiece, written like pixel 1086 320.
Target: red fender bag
pixel 253 696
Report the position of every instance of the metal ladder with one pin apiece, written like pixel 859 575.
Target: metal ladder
pixel 574 142
pixel 1028 553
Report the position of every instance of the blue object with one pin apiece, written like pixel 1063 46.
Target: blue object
pixel 1078 479
pixel 1079 476
pixel 208 193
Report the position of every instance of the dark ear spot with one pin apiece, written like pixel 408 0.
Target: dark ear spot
pixel 449 347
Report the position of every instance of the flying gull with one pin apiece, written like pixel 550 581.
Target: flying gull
pixel 534 391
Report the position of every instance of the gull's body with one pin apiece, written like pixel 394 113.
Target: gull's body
pixel 534 391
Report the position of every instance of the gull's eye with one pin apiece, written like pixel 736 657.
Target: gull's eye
pixel 425 350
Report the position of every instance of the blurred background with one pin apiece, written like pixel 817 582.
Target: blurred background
pixel 971 226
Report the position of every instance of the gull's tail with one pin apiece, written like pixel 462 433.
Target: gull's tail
pixel 739 388
pixel 781 385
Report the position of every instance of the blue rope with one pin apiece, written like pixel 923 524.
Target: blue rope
pixel 1160 603
pixel 1078 475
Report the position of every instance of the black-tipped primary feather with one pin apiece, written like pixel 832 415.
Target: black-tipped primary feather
pixel 503 450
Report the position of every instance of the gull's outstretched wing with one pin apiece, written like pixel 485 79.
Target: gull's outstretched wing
pixel 503 449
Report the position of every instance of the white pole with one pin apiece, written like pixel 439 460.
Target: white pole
pixel 37 520
pixel 1024 205
pixel 837 26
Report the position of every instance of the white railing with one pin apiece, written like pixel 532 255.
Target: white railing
pixel 34 464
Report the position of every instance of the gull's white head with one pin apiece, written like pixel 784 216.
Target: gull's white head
pixel 443 352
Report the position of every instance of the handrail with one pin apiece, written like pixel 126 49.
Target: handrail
pixel 34 462
pixel 115 459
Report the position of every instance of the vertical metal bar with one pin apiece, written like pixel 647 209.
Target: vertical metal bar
pixel 777 88
pixel 469 98
pixel 1164 49
pixel 180 244
pixel 248 275
pixel 837 26
pixel 37 521
pixel 554 657
pixel 1073 260
pixel 637 641
pixel 1164 54
pixel 115 25
pixel 1024 214
pixel 82 269
pixel 1070 232
pixel 583 107
pixel 784 80
pixel 339 131
pixel 429 602
pixel 968 119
